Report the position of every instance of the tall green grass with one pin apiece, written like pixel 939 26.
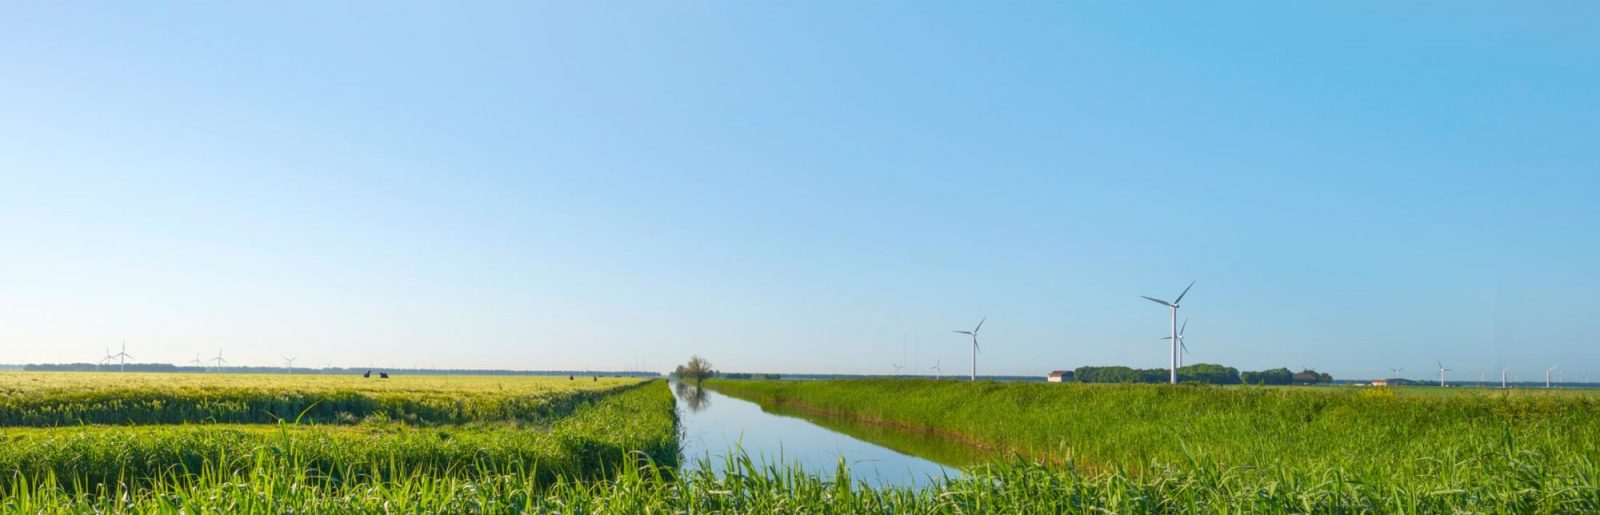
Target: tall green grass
pixel 1475 444
pixel 741 486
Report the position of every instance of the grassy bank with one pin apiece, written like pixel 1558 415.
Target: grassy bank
pixel 600 436
pixel 1475 444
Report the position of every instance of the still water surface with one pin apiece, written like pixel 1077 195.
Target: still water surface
pixel 715 424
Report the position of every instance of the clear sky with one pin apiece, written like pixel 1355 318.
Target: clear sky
pixel 803 186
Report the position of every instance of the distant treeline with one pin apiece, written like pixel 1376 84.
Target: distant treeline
pixel 746 375
pixel 1199 373
pixel 166 367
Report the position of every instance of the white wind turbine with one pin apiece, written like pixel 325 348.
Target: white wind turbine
pixel 935 368
pixel 1442 370
pixel 1547 375
pixel 1174 306
pixel 122 358
pixel 196 361
pixel 218 361
pixel 1396 371
pixel 974 334
pixel 897 368
pixel 1503 376
pixel 288 364
pixel 1183 349
pixel 105 360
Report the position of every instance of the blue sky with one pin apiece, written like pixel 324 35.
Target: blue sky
pixel 803 186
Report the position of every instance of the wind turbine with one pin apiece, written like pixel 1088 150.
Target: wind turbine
pixel 1547 376
pixel 1184 348
pixel 196 361
pixel 288 364
pixel 1503 377
pixel 1396 371
pixel 218 360
pixel 897 368
pixel 974 334
pixel 1442 370
pixel 107 359
pixel 935 368
pixel 122 358
pixel 1174 306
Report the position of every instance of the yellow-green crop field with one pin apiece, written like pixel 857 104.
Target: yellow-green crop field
pixel 84 439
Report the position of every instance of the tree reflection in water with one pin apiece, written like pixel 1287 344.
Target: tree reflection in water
pixel 693 396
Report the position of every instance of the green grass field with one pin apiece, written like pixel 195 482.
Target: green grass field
pixel 1373 445
pixel 62 434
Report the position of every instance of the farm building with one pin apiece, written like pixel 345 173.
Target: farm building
pixel 1060 376
pixel 1380 382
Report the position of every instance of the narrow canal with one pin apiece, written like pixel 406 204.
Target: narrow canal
pixel 715 425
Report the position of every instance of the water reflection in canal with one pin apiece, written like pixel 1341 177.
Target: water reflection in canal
pixel 715 424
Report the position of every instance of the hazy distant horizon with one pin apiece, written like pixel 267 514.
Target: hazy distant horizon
pixel 803 187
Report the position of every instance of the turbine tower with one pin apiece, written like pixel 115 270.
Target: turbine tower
pixel 1183 349
pixel 1442 370
pixel 1503 377
pixel 1174 305
pixel 105 360
pixel 974 334
pixel 122 358
pixel 1547 376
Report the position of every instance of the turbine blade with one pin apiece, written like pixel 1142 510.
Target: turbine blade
pixel 962 332
pixel 1185 292
pixel 980 324
pixel 1158 301
pixel 1184 326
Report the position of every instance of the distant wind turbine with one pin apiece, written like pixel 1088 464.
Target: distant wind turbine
pixel 1396 371
pixel 974 334
pixel 1174 306
pixel 1547 375
pixel 897 368
pixel 107 359
pixel 122 358
pixel 1183 349
pixel 218 361
pixel 196 361
pixel 935 368
pixel 1442 370
pixel 1503 376
pixel 288 364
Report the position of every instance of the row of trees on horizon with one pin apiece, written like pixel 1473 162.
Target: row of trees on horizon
pixel 1204 373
